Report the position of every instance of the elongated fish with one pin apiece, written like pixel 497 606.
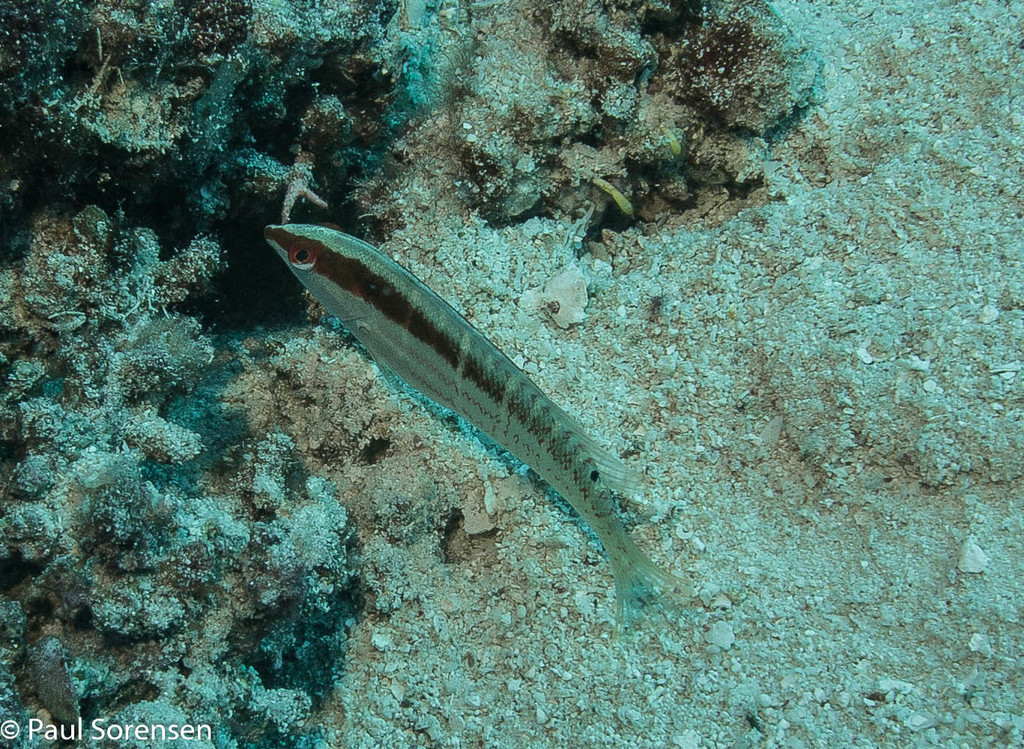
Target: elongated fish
pixel 411 330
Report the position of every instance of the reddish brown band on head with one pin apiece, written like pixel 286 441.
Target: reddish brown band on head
pixel 354 277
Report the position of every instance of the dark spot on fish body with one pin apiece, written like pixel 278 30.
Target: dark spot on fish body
pixel 594 475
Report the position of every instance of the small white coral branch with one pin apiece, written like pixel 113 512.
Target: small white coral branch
pixel 299 179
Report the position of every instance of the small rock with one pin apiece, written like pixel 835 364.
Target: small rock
pixel 49 669
pixel 917 364
pixel 896 686
pixel 721 634
pixel 920 721
pixel 630 715
pixel 688 739
pixel 563 299
pixel 720 601
pixel 475 519
pixel 979 643
pixel 989 314
pixel 972 558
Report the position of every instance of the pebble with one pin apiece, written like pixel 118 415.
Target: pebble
pixel 721 634
pixel 979 643
pixel 973 558
pixel 989 314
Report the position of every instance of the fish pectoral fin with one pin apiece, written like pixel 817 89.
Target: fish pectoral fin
pixel 352 320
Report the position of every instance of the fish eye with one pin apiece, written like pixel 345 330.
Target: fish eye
pixel 302 258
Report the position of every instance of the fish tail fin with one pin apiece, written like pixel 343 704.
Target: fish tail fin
pixel 639 581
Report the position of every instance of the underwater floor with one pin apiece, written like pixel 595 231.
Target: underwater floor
pixel 771 256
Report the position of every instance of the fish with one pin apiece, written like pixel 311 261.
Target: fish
pixel 411 331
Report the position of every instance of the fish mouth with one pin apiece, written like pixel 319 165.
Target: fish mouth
pixel 268 234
